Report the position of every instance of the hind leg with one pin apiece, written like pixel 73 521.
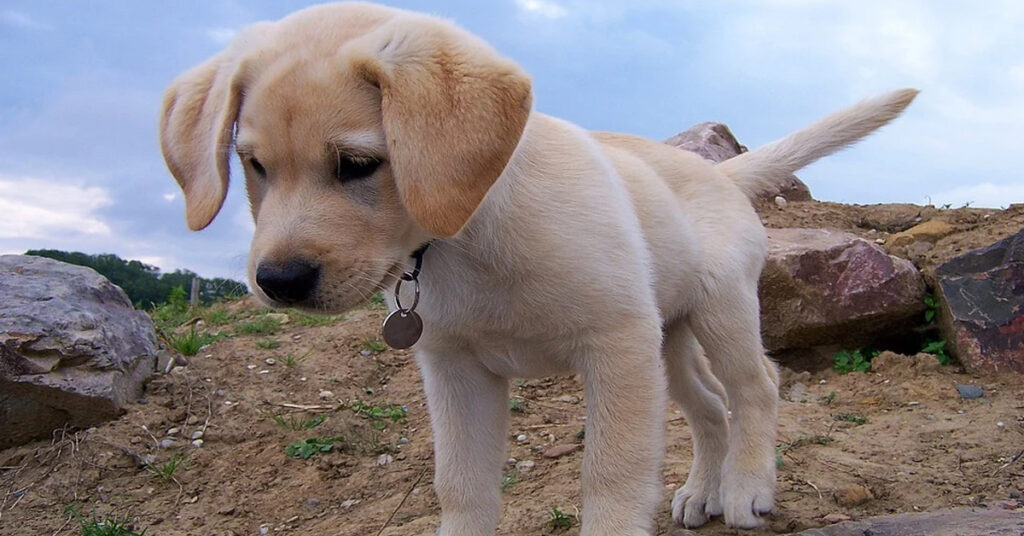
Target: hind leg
pixel 703 401
pixel 727 324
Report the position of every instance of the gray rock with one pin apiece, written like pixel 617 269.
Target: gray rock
pixel 981 306
pixel 821 287
pixel 969 392
pixel 956 522
pixel 715 142
pixel 73 350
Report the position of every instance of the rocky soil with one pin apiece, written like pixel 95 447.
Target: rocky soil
pixel 900 438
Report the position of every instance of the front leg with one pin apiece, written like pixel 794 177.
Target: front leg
pixel 626 391
pixel 469 414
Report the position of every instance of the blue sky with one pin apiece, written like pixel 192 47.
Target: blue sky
pixel 80 167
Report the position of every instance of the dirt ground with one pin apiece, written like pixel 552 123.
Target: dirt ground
pixel 897 439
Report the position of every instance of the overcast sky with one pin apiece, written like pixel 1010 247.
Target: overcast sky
pixel 81 82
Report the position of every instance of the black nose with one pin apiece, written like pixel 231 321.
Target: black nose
pixel 287 282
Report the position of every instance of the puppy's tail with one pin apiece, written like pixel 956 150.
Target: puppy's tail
pixel 758 170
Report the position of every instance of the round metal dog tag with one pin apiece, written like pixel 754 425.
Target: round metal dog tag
pixel 402 329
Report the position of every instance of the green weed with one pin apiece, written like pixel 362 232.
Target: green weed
pixel 516 405
pixel 290 360
pixel 829 398
pixel 261 325
pixel 268 343
pixel 165 470
pixel 109 525
pixel 296 422
pixel 931 308
pixel 846 361
pixel 508 481
pixel 938 349
pixel 310 320
pixel 374 345
pixel 191 342
pixel 850 417
pixel 379 415
pixel 308 448
pixel 559 520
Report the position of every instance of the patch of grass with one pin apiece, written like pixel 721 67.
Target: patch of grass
pixel 508 480
pixel 377 300
pixel 517 405
pixel 297 422
pixel 307 448
pixel 290 360
pixel 268 343
pixel 165 470
pixel 215 316
pixel 846 361
pixel 938 349
pixel 374 345
pixel 800 442
pixel 174 313
pixel 260 325
pixel 828 399
pixel 850 417
pixel 559 520
pixel 311 320
pixel 191 342
pixel 581 435
pixel 109 525
pixel 379 415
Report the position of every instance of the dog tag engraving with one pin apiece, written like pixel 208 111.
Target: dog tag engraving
pixel 402 329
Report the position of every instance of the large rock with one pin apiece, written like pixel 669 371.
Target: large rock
pixel 981 295
pixel 73 350
pixel 957 522
pixel 823 287
pixel 715 142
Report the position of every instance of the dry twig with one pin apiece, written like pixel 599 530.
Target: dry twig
pixel 399 507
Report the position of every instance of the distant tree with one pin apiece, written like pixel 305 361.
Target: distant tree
pixel 144 284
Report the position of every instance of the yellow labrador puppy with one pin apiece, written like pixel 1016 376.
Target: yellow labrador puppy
pixel 366 132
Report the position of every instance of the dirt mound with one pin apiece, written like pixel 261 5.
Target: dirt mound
pixel 898 439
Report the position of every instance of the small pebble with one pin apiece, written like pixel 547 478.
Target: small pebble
pixel 879 240
pixel 192 420
pixel 264 529
pixel 270 361
pixel 384 459
pixel 525 466
pixel 349 503
pixel 326 394
pixel 312 503
pixel 521 438
pixel 366 353
pixel 780 201
pixel 197 443
pixel 264 371
pixel 250 367
pixel 166 443
pixel 1015 495
pixel 511 461
pixel 198 434
pixel 969 392
pixel 1001 425
pixel 836 518
pixel 403 441
pixel 173 431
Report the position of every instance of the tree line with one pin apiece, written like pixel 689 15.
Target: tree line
pixel 144 284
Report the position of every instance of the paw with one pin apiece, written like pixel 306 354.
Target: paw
pixel 694 504
pixel 746 499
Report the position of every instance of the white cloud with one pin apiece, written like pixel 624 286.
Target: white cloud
pixel 543 8
pixel 984 195
pixel 40 208
pixel 170 197
pixel 221 35
pixel 22 20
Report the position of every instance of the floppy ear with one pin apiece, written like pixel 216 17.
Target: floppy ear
pixel 196 130
pixel 453 113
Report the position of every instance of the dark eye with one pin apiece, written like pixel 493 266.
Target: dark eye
pixel 350 168
pixel 258 167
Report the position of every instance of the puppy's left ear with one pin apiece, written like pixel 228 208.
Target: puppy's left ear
pixel 453 113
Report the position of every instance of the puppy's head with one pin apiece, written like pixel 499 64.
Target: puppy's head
pixel 363 131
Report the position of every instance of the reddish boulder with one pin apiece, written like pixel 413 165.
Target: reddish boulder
pixel 981 312
pixel 823 287
pixel 715 142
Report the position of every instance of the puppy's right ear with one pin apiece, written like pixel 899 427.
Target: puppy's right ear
pixel 196 131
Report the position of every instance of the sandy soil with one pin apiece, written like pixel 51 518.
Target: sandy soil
pixel 919 446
